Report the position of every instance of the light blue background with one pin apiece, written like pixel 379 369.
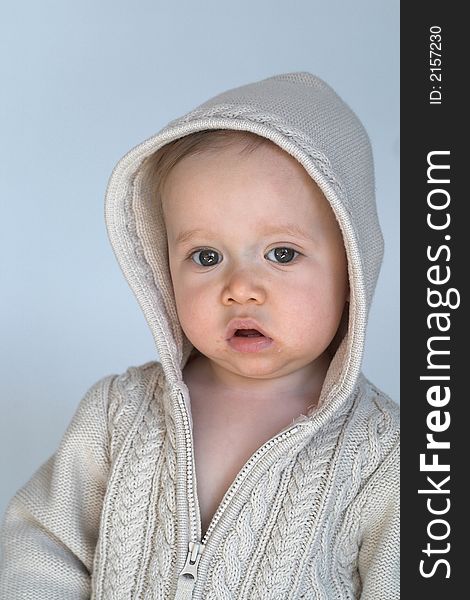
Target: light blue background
pixel 82 83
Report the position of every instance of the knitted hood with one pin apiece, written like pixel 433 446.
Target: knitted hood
pixel 306 118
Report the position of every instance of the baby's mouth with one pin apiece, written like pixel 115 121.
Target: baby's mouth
pixel 248 333
pixel 245 327
pixel 250 341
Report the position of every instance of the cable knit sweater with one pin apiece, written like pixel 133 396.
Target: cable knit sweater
pixel 314 513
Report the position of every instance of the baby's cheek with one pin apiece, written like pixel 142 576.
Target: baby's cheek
pixel 306 301
pixel 312 316
pixel 196 309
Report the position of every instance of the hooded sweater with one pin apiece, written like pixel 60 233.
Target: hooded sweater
pixel 314 512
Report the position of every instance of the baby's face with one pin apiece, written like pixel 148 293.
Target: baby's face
pixel 247 257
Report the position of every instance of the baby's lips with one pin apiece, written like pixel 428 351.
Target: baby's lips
pixel 243 323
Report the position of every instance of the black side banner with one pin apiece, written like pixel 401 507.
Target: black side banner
pixel 435 229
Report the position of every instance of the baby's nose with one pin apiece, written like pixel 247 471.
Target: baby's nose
pixel 244 285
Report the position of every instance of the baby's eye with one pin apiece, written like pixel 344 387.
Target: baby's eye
pixel 205 257
pixel 283 254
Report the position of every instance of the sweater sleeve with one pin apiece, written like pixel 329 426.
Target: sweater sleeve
pixel 379 552
pixel 50 528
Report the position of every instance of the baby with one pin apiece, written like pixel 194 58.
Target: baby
pixel 252 237
pixel 254 460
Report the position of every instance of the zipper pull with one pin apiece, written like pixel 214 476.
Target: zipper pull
pixel 187 577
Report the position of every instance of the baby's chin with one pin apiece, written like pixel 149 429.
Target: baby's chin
pixel 251 367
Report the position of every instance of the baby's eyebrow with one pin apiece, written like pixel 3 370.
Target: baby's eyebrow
pixel 187 235
pixel 292 229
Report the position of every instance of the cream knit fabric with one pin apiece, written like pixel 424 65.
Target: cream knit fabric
pixel 314 514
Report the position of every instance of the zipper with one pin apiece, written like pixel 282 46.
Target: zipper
pixel 188 576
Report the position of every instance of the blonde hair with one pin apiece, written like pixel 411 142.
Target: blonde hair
pixel 209 140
